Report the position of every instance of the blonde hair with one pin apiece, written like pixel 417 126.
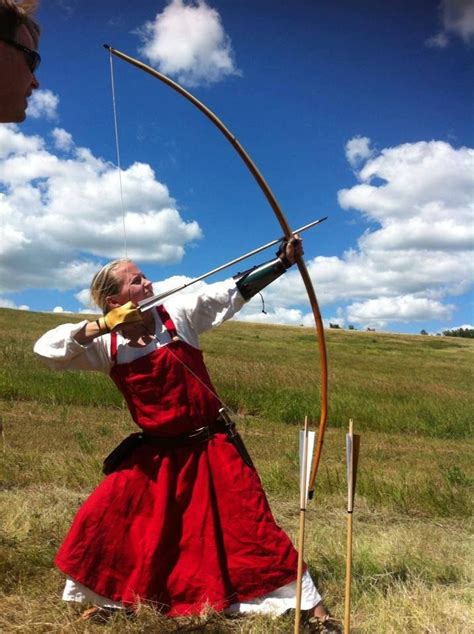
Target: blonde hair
pixel 105 283
pixel 15 14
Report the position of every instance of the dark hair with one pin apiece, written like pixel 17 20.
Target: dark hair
pixel 14 15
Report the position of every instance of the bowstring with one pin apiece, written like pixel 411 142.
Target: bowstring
pixel 198 378
pixel 119 169
pixel 119 165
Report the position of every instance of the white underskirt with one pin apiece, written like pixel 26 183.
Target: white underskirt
pixel 275 603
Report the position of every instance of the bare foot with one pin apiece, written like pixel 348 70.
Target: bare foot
pixel 320 611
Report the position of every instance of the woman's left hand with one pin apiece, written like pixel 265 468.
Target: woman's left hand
pixel 290 250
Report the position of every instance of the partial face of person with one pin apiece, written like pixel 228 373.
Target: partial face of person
pixel 17 81
pixel 134 285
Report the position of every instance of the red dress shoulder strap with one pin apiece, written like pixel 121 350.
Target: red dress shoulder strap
pixel 167 321
pixel 113 347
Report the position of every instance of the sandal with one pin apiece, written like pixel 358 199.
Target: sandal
pixel 325 624
pixel 98 614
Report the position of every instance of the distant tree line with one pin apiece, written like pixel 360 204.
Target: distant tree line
pixel 350 327
pixel 460 332
pixel 456 332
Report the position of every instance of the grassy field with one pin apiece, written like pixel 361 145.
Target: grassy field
pixel 411 399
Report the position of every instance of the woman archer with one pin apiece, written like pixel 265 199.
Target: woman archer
pixel 181 520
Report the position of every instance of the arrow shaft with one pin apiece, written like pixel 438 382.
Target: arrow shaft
pixel 148 303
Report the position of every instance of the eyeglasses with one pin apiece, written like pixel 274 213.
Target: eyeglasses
pixel 33 58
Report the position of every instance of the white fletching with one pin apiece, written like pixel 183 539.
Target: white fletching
pixel 306 449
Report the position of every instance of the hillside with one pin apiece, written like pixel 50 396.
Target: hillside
pixel 411 398
pixel 389 382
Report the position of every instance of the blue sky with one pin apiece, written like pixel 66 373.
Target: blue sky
pixel 359 111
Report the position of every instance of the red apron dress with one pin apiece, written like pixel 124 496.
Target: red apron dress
pixel 186 527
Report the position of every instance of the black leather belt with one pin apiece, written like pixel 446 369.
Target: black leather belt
pixel 185 440
pixel 201 435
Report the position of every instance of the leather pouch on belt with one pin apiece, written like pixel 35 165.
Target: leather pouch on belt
pixel 121 451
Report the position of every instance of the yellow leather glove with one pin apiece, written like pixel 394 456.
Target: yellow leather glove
pixel 126 314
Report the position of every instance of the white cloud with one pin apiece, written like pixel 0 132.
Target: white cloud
pixel 402 309
pixel 440 40
pixel 8 303
pixel 428 185
pixel 358 149
pixel 43 103
pixel 17 144
pixel 60 310
pixel 59 215
pixel 176 281
pixel 62 139
pixel 420 197
pixel 410 265
pixel 457 18
pixel 463 327
pixel 84 298
pixel 252 312
pixel 188 41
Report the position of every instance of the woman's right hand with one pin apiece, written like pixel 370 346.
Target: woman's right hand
pixel 119 317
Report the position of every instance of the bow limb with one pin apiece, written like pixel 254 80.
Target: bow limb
pixel 286 230
pixel 324 373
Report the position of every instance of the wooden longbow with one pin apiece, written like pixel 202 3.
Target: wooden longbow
pixel 262 183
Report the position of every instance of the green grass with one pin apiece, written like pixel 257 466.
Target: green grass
pixel 408 384
pixel 411 399
pixel 413 384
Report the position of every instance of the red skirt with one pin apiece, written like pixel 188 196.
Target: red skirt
pixel 185 529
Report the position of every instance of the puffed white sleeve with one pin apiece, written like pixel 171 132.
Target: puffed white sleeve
pixel 202 311
pixel 60 351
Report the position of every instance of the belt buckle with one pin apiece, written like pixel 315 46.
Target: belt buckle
pixel 202 433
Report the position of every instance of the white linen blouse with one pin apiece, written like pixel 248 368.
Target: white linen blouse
pixel 192 314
